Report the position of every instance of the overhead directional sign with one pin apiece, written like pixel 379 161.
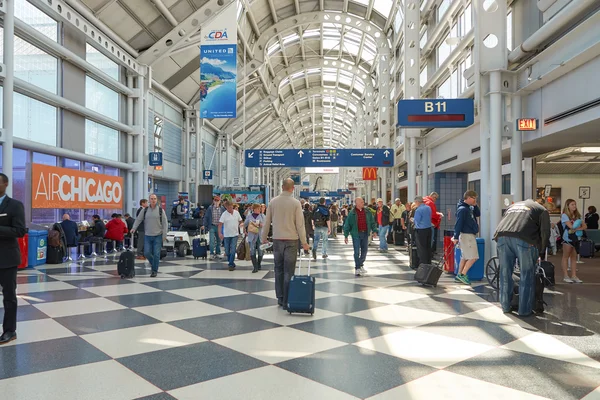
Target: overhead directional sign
pixel 319 158
pixel 155 159
pixel 435 113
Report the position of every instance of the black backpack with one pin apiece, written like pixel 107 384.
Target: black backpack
pixel 319 218
pixel 174 212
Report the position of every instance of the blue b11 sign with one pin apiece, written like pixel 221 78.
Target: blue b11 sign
pixel 435 113
pixel 155 159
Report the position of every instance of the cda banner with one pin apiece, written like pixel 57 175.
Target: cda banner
pixel 218 66
pixel 53 187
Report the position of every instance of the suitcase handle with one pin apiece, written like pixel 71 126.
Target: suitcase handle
pixel 300 261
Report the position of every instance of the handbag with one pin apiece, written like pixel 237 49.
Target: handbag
pixel 252 227
pixel 241 250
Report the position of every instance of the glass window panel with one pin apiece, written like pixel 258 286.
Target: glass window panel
pixel 111 171
pixel 398 20
pixel 33 120
pixel 443 51
pixel 40 158
pixel 454 83
pixel 91 167
pixel 173 115
pixel 423 41
pixel 509 30
pixel 383 7
pixel 468 18
pixel 35 18
pixel 101 99
pixel 101 141
pixel 442 9
pixel 70 163
pixel 423 77
pixel 444 91
pixel 102 62
pixel 363 2
pixel 273 48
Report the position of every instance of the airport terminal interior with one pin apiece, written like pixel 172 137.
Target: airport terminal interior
pixel 105 102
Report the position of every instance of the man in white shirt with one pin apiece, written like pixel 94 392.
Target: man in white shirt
pixel 229 229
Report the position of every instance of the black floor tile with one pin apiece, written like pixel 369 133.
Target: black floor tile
pixel 185 274
pixel 147 299
pixel 23 279
pixel 340 287
pixel 187 365
pixel 59 295
pixel 360 372
pixel 346 305
pixel 69 269
pixel 251 286
pixel 334 275
pixel 26 313
pixel 541 376
pixel 346 328
pixel 158 396
pixel 241 302
pixel 174 284
pixel 223 325
pixel 443 305
pixel 29 358
pixel 85 283
pixel 105 321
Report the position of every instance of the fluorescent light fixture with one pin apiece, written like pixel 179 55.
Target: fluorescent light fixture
pixel 314 170
pixel 453 41
pixel 589 149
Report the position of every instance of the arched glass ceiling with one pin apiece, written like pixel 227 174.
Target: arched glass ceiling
pixel 331 79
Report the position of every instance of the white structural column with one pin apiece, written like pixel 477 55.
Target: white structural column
pixel 516 153
pixel 6 137
pixel 199 151
pixel 490 62
pixel 141 171
pixel 383 120
pixel 425 168
pixel 411 85
pixel 130 201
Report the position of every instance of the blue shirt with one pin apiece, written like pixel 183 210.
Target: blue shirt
pixel 423 217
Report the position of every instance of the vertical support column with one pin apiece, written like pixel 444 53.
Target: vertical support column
pixel 412 169
pixel 516 154
pixel 141 146
pixel 130 201
pixel 490 61
pixel 186 154
pixel 199 150
pixel 383 81
pixel 411 85
pixel 7 94
pixel 425 167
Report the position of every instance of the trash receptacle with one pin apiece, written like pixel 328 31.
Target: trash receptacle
pixel 448 251
pixel 477 271
pixel 38 244
pixel 24 246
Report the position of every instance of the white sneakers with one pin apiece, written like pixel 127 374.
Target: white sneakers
pixel 572 280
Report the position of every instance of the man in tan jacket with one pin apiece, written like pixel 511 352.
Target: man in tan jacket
pixel 286 215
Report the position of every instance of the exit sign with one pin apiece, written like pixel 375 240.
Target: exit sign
pixel 527 124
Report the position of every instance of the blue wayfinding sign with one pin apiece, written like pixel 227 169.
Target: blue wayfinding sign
pixel 207 174
pixel 155 159
pixel 381 158
pixel 435 113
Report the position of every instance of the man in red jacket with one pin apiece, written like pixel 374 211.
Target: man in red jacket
pixel 116 230
pixel 436 218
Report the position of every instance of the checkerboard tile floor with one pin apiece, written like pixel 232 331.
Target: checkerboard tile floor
pixel 199 331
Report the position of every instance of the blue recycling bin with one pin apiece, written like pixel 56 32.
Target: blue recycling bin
pixel 38 244
pixel 477 271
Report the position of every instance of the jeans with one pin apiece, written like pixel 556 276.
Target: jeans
pixel 254 242
pixel 509 250
pixel 361 245
pixel 140 243
pixel 383 232
pixel 8 281
pixel 423 242
pixel 152 246
pixel 284 252
pixel 215 241
pixel 230 248
pixel 321 233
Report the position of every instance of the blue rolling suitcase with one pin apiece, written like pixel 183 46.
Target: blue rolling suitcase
pixel 301 293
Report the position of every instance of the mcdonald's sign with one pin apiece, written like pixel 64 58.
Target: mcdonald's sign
pixel 369 174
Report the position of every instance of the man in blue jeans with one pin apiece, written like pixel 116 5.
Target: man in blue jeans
pixel 155 229
pixel 322 227
pixel 359 224
pixel 522 234
pixel 229 229
pixel 211 224
pixel 383 221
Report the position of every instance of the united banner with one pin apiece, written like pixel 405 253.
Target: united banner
pixel 218 66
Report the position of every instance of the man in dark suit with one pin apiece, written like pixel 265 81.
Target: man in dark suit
pixel 12 226
pixel 71 230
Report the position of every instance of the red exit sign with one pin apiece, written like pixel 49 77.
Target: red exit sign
pixel 527 124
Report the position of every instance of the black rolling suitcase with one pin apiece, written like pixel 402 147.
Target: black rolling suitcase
pixel 126 265
pixel 429 274
pixel 390 237
pixel 548 271
pixel 413 257
pixel 587 248
pixel 399 238
pixel 54 255
pixel 301 292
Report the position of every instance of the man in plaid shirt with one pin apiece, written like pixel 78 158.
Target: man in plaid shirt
pixel 211 223
pixel 359 224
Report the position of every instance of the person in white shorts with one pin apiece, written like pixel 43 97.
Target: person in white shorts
pixel 465 230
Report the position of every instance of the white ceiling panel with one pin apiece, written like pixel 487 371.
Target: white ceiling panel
pixel 164 69
pixel 186 56
pixel 120 22
pixel 144 10
pixel 186 89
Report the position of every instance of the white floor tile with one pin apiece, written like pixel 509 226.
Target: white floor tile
pixel 425 348
pixel 43 287
pixel 541 344
pixel 225 274
pixel 141 339
pixel 318 294
pixel 461 295
pixel 159 277
pixel 178 268
pixel 595 395
pixel 491 314
pixel 38 330
pixel 206 292
pixel 121 289
pixel 106 380
pixel 443 385
pixel 75 307
pixel 21 300
pixel 260 384
pixel 182 310
pixel 277 315
pixel 279 344
pixel 402 316
pixel 82 276
pixel 386 295
pixel 374 281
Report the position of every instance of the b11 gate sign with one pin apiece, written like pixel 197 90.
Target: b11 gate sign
pixel 272 158
pixel 435 113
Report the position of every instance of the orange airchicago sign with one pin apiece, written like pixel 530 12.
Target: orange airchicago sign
pixel 369 174
pixel 53 187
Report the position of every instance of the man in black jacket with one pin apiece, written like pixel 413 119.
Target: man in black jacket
pixel 12 226
pixel 99 227
pixel 140 231
pixel 522 234
pixel 71 230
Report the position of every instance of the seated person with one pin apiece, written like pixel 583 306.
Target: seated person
pixel 71 230
pixel 116 230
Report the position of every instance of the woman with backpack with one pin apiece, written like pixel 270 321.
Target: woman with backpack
pixel 253 226
pixel 335 216
pixel 570 245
